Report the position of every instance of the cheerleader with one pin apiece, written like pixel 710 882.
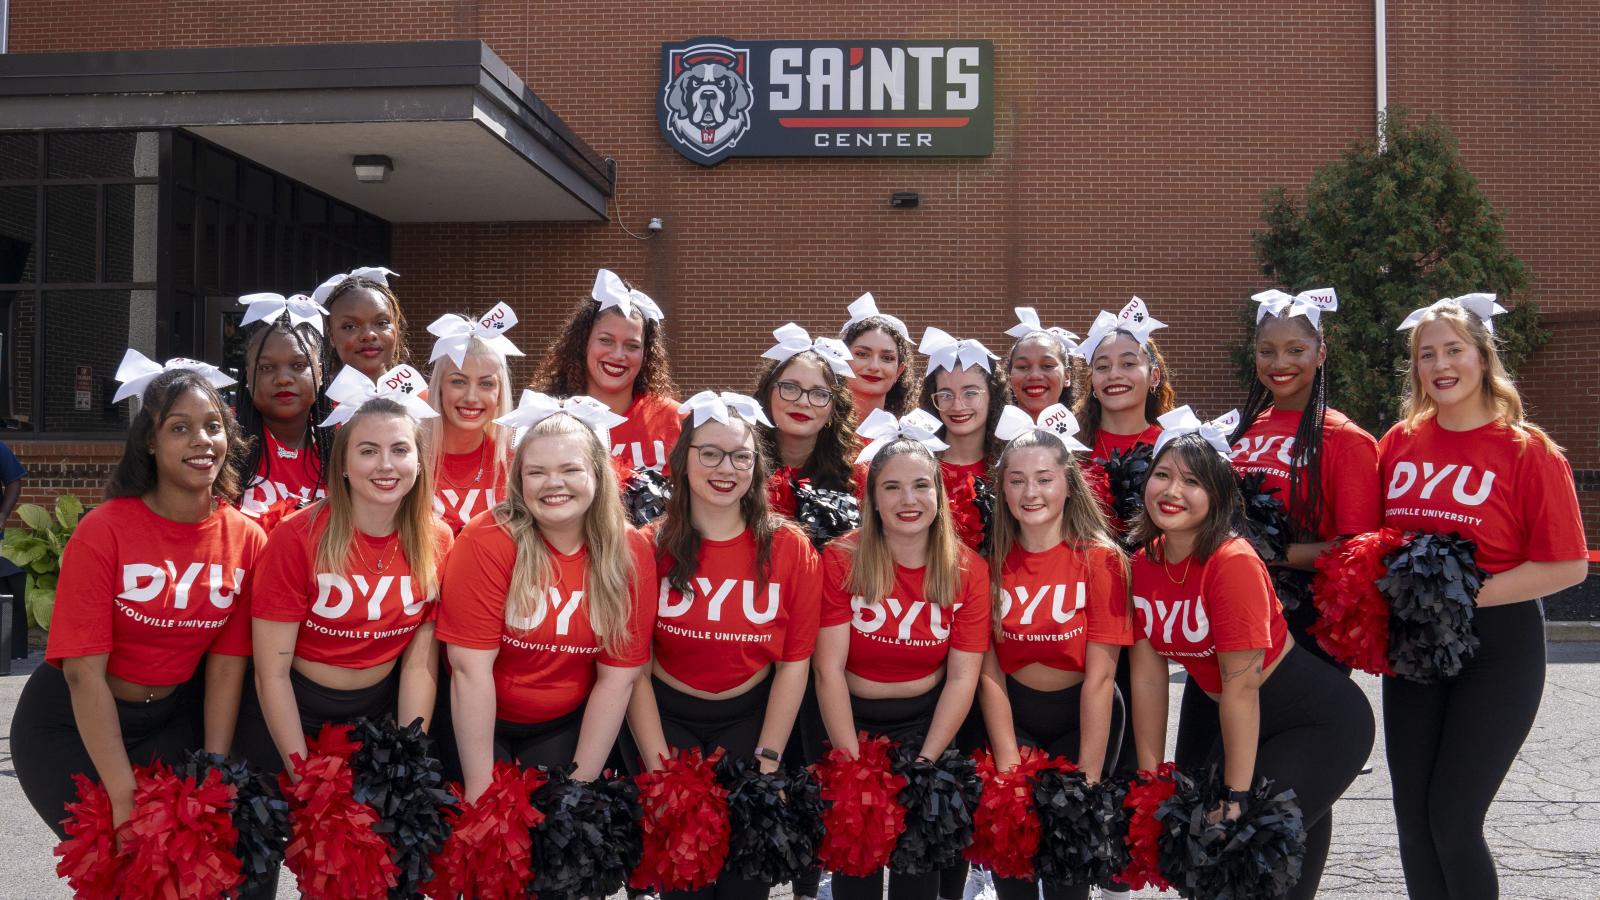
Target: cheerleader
pixel 468 449
pixel 731 674
pixel 1129 382
pixel 345 589
pixel 1463 459
pixel 149 593
pixel 283 373
pixel 1039 365
pixel 807 408
pixel 366 328
pixel 613 348
pixel 546 603
pixel 1061 617
pixel 880 354
pixel 1204 598
pixel 965 391
pixel 905 621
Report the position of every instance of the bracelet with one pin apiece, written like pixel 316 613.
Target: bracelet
pixel 769 755
pixel 1234 796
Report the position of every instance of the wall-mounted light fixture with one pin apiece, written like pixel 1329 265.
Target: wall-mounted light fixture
pixel 373 168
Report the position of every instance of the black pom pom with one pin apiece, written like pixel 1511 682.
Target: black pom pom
pixel 1267 521
pixel 1082 828
pixel 589 840
pixel 776 821
pixel 983 499
pixel 1255 857
pixel 1126 472
pixel 645 495
pixel 823 513
pixel 260 813
pixel 939 799
pixel 1432 585
pixel 396 774
pixel 1293 587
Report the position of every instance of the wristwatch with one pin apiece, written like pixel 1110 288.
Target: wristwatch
pixel 769 755
pixel 1237 796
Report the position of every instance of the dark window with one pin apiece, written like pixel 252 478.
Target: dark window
pixel 19 210
pixel 70 233
pixel 90 329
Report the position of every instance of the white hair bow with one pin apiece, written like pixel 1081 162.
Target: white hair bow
pixel 535 407
pixel 722 406
pixel 945 352
pixel 865 307
pixel 136 371
pixel 1182 421
pixel 1028 323
pixel 271 307
pixel 881 428
pixel 1481 305
pixel 793 339
pixel 371 273
pixel 1311 304
pixel 455 332
pixel 353 390
pixel 1055 419
pixel 610 291
pixel 1134 318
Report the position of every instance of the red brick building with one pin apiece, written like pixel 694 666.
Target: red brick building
pixel 1132 144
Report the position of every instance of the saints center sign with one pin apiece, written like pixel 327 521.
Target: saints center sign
pixel 722 98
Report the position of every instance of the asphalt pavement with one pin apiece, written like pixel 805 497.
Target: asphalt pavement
pixel 1544 828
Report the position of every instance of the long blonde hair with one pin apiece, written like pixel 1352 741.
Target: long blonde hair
pixel 1497 388
pixel 498 436
pixel 605 535
pixel 872 566
pixel 1083 525
pixel 413 520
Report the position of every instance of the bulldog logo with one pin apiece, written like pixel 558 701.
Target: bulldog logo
pixel 707 98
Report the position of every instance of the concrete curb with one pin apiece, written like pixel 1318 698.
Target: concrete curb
pixel 1572 631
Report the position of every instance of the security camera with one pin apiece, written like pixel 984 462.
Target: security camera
pixel 655 225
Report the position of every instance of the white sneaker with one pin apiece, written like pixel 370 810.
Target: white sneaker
pixel 979 885
pixel 1106 894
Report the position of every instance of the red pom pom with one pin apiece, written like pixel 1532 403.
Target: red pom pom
pixel 489 855
pixel 1005 834
pixel 333 851
pixel 964 514
pixel 862 819
pixel 1144 798
pixel 89 860
pixel 269 518
pixel 1100 486
pixel 685 824
pixel 179 840
pixel 1352 614
pixel 780 491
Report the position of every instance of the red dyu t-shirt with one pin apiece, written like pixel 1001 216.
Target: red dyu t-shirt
pixel 545 667
pixel 732 625
pixel 284 473
pixel 155 594
pixel 645 440
pixel 959 491
pixel 1225 604
pixel 459 492
pixel 1516 501
pixel 904 636
pixel 1056 601
pixel 356 618
pixel 1105 442
pixel 1349 465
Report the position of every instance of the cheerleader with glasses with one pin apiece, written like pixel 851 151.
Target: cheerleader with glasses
pixel 805 428
pixel 469 449
pixel 966 392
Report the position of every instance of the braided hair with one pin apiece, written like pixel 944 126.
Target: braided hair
pixel 307 340
pixel 1305 500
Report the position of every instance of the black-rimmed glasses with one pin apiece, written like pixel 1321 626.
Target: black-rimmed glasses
pixel 791 391
pixel 711 457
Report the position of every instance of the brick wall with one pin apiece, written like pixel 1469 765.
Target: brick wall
pixel 1132 145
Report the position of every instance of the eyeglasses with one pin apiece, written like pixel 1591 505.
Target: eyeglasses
pixel 791 391
pixel 711 457
pixel 943 400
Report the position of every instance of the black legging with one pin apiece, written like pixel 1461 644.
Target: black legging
pixel 550 744
pixel 733 724
pixel 906 721
pixel 1316 732
pixel 318 706
pixel 1049 720
pixel 1450 746
pixel 46 750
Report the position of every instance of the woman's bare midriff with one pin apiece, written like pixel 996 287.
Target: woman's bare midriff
pixel 338 678
pixel 1040 677
pixel 892 690
pixel 729 694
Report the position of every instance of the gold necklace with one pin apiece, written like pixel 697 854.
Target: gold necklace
pixel 1188 561
pixel 444 471
pixel 382 563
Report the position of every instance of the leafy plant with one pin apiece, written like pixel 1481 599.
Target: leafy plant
pixel 36 550
pixel 1391 229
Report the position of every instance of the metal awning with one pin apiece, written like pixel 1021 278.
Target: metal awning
pixel 469 141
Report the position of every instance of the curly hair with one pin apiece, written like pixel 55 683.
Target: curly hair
pixel 136 473
pixel 902 397
pixel 999 387
pixel 1157 403
pixel 564 370
pixel 402 349
pixel 830 464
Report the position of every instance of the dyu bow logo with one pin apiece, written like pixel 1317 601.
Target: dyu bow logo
pixel 722 98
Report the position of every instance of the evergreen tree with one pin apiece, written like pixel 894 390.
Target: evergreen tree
pixel 1392 230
